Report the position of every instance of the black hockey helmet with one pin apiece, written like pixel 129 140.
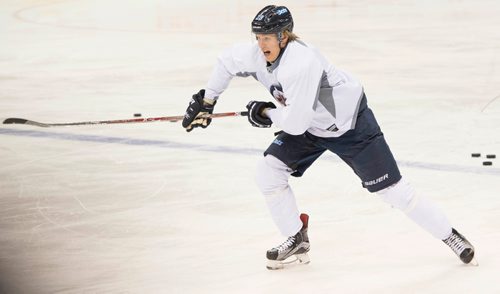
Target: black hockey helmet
pixel 272 19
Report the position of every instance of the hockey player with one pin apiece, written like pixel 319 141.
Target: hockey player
pixel 320 107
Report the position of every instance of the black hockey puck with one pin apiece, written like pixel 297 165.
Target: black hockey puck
pixel 491 156
pixel 476 154
pixel 137 115
pixel 487 163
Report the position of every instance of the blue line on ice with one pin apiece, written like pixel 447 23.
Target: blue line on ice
pixel 127 141
pixel 222 149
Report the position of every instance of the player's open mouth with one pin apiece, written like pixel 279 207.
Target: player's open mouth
pixel 266 53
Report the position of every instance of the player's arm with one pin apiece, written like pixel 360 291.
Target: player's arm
pixel 229 64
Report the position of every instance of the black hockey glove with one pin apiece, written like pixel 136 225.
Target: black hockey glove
pixel 255 116
pixel 197 112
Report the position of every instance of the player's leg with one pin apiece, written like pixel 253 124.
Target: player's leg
pixel 429 216
pixel 272 180
pixel 379 173
pixel 288 155
pixel 372 160
pixel 418 208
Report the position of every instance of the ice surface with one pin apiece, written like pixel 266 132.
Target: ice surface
pixel 149 208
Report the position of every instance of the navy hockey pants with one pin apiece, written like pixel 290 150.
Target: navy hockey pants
pixel 363 148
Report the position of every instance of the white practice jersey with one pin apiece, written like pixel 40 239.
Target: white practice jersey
pixel 314 95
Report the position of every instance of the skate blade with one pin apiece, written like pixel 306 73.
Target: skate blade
pixel 292 260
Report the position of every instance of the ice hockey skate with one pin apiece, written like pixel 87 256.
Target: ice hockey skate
pixel 292 251
pixel 461 247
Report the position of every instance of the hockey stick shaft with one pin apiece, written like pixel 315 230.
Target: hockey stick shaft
pixel 23 121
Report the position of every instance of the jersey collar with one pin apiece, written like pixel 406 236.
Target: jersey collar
pixel 272 66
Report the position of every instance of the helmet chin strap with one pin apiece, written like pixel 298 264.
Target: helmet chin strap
pixel 280 37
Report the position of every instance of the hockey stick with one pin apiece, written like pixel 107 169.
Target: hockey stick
pixel 23 121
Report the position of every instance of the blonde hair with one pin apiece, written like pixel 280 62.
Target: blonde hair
pixel 291 36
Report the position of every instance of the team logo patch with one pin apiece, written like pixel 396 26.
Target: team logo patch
pixel 278 142
pixel 281 11
pixel 277 92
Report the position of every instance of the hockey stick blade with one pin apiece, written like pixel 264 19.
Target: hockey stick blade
pixel 23 121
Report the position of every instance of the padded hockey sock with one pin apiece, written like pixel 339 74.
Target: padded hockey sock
pixel 272 179
pixel 419 209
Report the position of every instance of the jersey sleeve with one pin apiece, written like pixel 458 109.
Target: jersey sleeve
pixel 234 61
pixel 301 87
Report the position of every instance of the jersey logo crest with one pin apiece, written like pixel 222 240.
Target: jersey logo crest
pixel 277 92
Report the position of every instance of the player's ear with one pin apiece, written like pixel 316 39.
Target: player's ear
pixel 284 39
